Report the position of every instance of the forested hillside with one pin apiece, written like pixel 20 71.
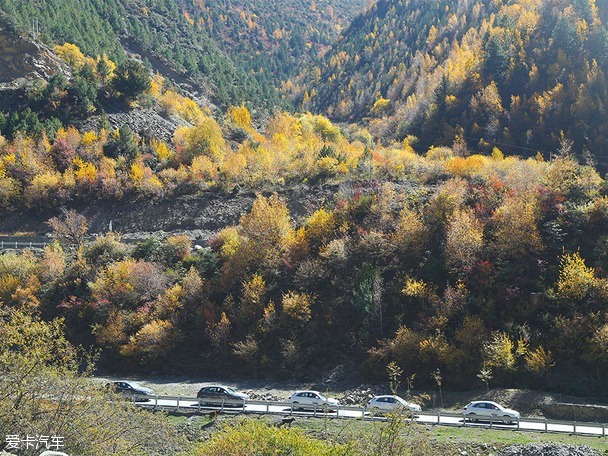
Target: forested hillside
pixel 473 74
pixel 480 269
pixel 442 251
pixel 239 51
pixel 158 28
pixel 274 39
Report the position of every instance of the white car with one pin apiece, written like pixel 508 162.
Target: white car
pixel 486 410
pixel 311 400
pixel 385 404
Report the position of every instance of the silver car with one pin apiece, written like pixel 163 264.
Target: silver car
pixel 312 400
pixel 388 403
pixel 486 410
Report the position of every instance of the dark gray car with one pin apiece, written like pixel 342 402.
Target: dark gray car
pixel 131 389
pixel 217 394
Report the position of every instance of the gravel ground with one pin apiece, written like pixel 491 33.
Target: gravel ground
pixel 188 387
pixel 547 449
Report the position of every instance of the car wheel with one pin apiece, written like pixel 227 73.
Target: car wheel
pixel 296 406
pixel 472 417
pixel 507 419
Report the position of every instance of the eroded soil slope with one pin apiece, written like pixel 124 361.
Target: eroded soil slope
pixel 197 215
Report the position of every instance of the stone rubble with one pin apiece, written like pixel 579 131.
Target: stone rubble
pixel 360 396
pixel 547 449
pixel 255 396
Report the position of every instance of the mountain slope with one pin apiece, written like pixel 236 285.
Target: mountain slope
pixel 158 27
pixel 479 74
pixel 273 39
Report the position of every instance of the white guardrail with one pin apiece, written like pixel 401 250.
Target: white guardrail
pixel 22 245
pixel 435 417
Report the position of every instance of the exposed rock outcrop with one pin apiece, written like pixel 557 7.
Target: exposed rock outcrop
pixel 151 122
pixel 23 59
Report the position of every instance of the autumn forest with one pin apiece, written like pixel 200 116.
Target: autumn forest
pixel 467 236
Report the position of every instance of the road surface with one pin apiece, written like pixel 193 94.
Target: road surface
pixel 429 417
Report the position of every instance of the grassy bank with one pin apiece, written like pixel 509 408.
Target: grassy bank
pixel 440 440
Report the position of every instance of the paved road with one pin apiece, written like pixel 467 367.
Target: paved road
pixel 433 417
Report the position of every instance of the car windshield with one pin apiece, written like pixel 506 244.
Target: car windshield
pixel 323 398
pixel 230 390
pixel 134 385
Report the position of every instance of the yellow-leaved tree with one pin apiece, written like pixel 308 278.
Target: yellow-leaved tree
pixel 202 139
pixel 259 240
pixel 44 382
pixel 463 241
pixel 253 296
pixel 151 343
pixel 268 224
pixel 71 54
pixel 577 284
pixel 239 116
pixel 516 228
pixel 498 352
pixel 296 307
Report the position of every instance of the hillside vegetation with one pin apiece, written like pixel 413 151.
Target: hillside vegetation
pixel 477 269
pixel 235 53
pixel 273 39
pixel 465 267
pixel 528 76
pixel 159 30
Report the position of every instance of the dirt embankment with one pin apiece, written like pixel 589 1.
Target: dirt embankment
pixel 198 216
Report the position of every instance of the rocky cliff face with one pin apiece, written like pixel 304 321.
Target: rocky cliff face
pixel 151 122
pixel 23 60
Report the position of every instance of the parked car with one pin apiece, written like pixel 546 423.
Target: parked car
pixel 218 394
pixel 385 404
pixel 485 410
pixel 131 389
pixel 311 400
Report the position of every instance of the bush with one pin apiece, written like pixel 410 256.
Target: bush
pixel 251 437
pixel 43 391
pixel 106 249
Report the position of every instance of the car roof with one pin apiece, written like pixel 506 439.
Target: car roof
pixel 387 395
pixel 307 391
pixel 485 402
